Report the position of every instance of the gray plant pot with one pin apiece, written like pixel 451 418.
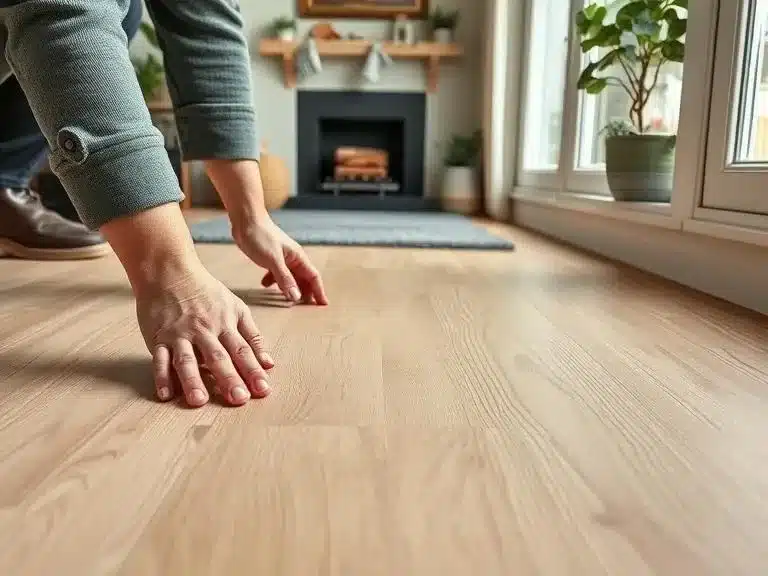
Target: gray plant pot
pixel 640 168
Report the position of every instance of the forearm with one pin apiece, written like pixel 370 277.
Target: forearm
pixel 239 185
pixel 154 247
pixel 71 59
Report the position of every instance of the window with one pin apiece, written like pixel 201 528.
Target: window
pixel 662 111
pixel 736 174
pixel 563 142
pixel 547 52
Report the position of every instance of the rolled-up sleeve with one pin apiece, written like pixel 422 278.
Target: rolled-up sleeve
pixel 71 59
pixel 209 77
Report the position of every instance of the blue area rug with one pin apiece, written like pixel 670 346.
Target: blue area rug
pixel 369 228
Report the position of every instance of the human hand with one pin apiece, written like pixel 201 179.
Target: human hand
pixel 240 187
pixel 194 321
pixel 286 263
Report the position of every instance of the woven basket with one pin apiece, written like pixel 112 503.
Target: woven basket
pixel 275 179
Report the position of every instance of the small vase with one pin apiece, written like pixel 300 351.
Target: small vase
pixel 443 35
pixel 286 34
pixel 459 193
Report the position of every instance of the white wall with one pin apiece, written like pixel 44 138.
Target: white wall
pixel 455 108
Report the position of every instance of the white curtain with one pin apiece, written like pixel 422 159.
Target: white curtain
pixel 501 101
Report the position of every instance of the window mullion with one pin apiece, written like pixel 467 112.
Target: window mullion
pixel 570 129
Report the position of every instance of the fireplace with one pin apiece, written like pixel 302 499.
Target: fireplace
pixel 360 149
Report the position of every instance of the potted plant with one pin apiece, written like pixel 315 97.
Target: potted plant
pixel 149 70
pixel 643 36
pixel 459 192
pixel 443 24
pixel 284 28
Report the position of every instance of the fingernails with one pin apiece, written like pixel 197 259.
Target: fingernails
pixel 164 394
pixel 262 387
pixel 295 294
pixel 267 359
pixel 240 394
pixel 196 397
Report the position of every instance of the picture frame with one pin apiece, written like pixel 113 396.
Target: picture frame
pixel 374 9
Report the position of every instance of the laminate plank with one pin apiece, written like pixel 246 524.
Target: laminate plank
pixel 452 412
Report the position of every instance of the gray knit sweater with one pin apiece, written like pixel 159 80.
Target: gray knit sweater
pixel 71 59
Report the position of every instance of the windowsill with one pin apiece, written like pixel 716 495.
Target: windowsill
pixel 649 213
pixel 732 226
pixel 727 231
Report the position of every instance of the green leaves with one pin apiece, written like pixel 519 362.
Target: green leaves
pixel 588 82
pixel 626 16
pixel 149 33
pixel 614 56
pixel 150 75
pixel 590 20
pixel 673 50
pixel 606 36
pixel 644 26
pixel 643 35
pixel 587 75
pixel 597 85
pixel 677 27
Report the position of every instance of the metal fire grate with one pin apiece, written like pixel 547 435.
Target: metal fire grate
pixel 380 187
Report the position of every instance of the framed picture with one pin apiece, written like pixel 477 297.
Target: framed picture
pixel 382 9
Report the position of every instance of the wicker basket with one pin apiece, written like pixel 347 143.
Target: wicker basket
pixel 275 179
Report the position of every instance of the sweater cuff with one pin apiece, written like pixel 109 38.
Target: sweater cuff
pixel 222 131
pixel 122 179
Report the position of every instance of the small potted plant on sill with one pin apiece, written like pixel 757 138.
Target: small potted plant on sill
pixel 443 24
pixel 284 28
pixel 459 191
pixel 643 36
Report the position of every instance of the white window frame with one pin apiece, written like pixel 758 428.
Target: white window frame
pixel 577 180
pixel 542 179
pixel 566 178
pixel 730 186
pixel 702 98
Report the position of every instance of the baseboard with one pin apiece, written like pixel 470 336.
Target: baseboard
pixel 734 271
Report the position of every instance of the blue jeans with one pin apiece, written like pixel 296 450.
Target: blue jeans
pixel 22 145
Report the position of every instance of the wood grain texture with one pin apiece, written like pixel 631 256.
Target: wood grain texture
pixel 452 413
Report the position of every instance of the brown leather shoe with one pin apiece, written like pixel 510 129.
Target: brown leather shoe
pixel 31 231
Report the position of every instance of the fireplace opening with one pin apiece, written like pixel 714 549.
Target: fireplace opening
pixel 360 145
pixel 361 156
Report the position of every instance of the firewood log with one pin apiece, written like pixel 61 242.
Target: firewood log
pixel 362 156
pixel 367 160
pixel 349 173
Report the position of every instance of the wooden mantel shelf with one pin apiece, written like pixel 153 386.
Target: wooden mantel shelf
pixel 431 53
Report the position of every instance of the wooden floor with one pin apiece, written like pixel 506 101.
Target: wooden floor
pixel 452 413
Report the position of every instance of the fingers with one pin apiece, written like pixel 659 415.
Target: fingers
pixel 188 372
pixel 161 360
pixel 285 280
pixel 246 363
pixel 310 283
pixel 228 380
pixel 311 277
pixel 250 332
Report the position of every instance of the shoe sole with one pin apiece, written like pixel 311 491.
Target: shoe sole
pixel 15 250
